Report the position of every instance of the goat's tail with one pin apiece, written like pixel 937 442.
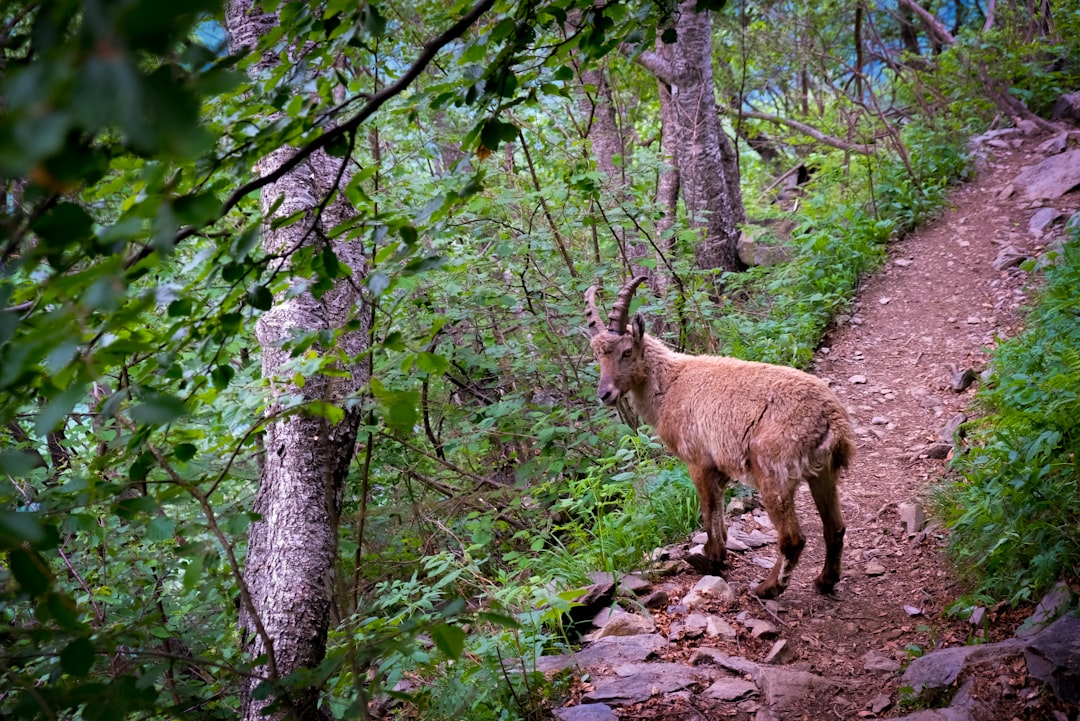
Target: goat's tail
pixel 843 450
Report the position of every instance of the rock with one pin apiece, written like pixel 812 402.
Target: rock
pixel 1007 192
pixel 977 616
pixel 601 577
pixel 937 451
pixel 585 712
pixel 1052 605
pixel 1009 257
pixel 946 432
pixel 605 652
pixel 753 248
pixel 941 668
pixel 1067 107
pixel 912 517
pixel 877 661
pixel 718 627
pixel 903 262
pixel 708 589
pixel 961 379
pixel 693 627
pixel 592 600
pixel 705 656
pixel 662 570
pixel 760 629
pixel 879 420
pixel 1041 220
pixel 601 619
pixel 656 599
pixel 787 690
pixel 857 380
pixel 912 610
pixel 733 543
pixel 1051 178
pixel 1054 145
pixel 781 652
pixel 730 689
pixel 639 682
pixel 753 539
pixel 627 624
pixel 880 702
pixel 634 585
pixel 875 569
pixel 991 135
pixel 1053 657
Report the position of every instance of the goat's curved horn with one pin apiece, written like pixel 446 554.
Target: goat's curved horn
pixel 592 315
pixel 620 311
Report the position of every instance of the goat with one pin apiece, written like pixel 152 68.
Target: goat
pixel 728 418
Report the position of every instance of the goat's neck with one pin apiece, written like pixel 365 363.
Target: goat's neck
pixel 659 364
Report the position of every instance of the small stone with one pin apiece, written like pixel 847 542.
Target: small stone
pixel 656 599
pixel 875 569
pixel 912 517
pixel 857 379
pixel 880 702
pixel 781 652
pixel 730 689
pixel 1041 220
pixel 877 661
pixel 763 561
pixel 977 616
pixel 585 712
pixel 760 629
pixel 1008 257
pixel 700 539
pixel 718 627
pixel 912 611
pixel 903 262
pixel 879 420
pixel 627 624
pixel 884 301
pixel 634 585
pixel 974 320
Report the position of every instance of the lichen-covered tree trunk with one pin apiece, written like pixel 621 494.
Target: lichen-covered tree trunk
pixel 708 167
pixel 292 548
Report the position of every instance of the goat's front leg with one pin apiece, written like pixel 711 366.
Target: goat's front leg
pixel 710 484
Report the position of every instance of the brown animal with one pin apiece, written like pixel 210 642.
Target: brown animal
pixel 727 418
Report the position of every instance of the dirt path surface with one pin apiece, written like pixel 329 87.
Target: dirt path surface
pixel 937 305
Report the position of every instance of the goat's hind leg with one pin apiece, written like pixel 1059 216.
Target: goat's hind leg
pixel 779 501
pixel 827 500
pixel 710 484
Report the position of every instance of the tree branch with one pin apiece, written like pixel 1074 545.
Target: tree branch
pixel 656 65
pixel 806 130
pixel 931 22
pixel 376 101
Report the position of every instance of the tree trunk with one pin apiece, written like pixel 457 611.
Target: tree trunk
pixel 708 167
pixel 292 548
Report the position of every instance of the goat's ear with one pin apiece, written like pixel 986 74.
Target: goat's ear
pixel 638 327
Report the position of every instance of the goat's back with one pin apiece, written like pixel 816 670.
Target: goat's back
pixel 739 414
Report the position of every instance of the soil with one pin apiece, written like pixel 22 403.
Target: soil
pixel 937 304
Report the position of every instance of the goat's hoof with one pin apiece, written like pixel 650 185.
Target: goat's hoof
pixel 824 586
pixel 768 590
pixel 704 564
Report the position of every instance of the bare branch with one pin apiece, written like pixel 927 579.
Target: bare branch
pixel 932 23
pixel 807 130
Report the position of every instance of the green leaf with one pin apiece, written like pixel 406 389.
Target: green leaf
pixel 326 410
pixel 494 132
pixel 17 527
pixel 65 224
pixel 77 657
pixel 378 282
pixel 221 375
pixel 259 297
pixel 449 639
pixel 197 209
pixel 30 570
pixel 432 363
pixel 57 409
pixel 157 409
pixel 184 452
pixel 193 572
pixel 64 611
pixel 160 528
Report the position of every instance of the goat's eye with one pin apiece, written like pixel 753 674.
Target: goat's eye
pixel 626 353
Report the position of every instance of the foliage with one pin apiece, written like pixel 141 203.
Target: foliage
pixel 132 403
pixel 1014 512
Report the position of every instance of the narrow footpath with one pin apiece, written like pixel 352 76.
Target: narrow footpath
pixel 906 363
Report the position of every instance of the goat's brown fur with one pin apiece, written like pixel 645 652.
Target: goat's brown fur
pixel 770 425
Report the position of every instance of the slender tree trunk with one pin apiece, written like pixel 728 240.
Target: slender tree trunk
pixel 292 548
pixel 708 166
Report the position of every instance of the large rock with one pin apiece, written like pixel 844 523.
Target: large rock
pixel 1067 107
pixel 1051 178
pixel 1053 657
pixel 585 712
pixel 605 652
pixel 639 682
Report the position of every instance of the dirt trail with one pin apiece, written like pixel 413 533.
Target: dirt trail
pixel 938 303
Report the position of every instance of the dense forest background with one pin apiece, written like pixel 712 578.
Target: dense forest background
pixel 294 398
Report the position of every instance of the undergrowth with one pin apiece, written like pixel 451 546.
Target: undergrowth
pixel 1014 514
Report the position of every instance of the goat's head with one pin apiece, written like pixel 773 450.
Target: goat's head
pixel 618 349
